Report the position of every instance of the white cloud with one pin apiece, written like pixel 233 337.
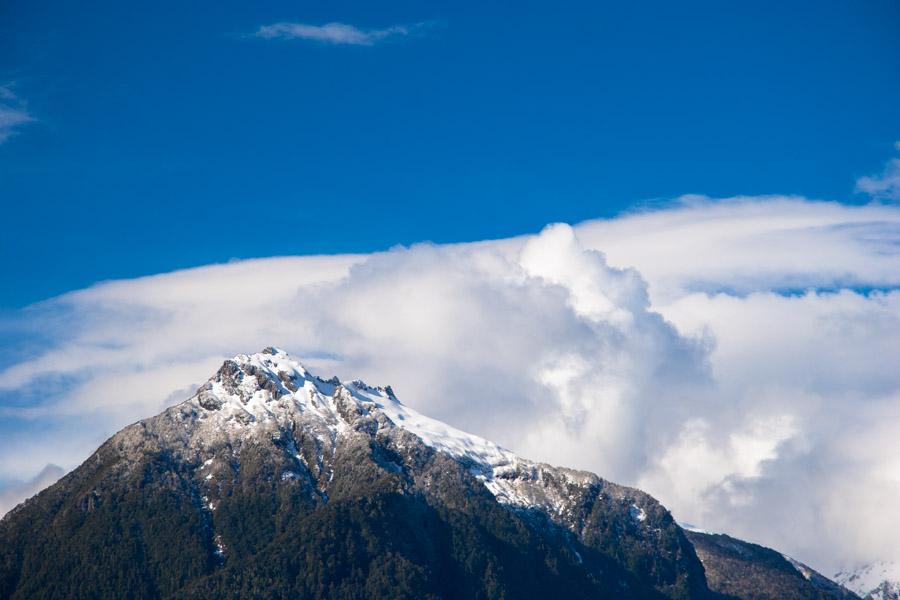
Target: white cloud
pixel 744 245
pixel 334 33
pixel 671 360
pixel 12 493
pixel 13 113
pixel 885 186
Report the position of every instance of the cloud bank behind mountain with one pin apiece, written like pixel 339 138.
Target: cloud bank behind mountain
pixel 736 358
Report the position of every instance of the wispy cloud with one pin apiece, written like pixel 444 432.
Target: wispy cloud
pixel 334 33
pixel 13 113
pixel 885 186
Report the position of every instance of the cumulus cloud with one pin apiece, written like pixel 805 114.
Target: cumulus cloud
pixel 13 113
pixel 732 357
pixel 885 186
pixel 334 33
pixel 809 398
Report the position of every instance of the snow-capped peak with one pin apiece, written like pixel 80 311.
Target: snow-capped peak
pixel 253 381
pixel 873 581
pixel 270 386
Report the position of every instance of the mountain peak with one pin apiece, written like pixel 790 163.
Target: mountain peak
pixel 269 464
pixel 344 491
pixel 273 387
pixel 878 580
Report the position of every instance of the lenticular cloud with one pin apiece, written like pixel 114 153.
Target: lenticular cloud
pixel 734 358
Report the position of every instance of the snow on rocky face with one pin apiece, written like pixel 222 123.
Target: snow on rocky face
pixel 874 581
pixel 256 392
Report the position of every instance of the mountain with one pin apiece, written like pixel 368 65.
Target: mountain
pixel 874 581
pixel 740 569
pixel 270 482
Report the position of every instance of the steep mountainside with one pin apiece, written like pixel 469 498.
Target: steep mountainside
pixel 273 483
pixel 739 569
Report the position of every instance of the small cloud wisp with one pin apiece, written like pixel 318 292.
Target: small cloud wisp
pixel 13 113
pixel 333 33
pixel 885 186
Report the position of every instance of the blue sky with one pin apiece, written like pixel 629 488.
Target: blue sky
pixel 165 135
pixel 141 139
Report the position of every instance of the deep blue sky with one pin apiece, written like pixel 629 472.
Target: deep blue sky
pixel 165 137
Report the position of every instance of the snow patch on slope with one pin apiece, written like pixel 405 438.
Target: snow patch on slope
pixel 637 513
pixel 800 567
